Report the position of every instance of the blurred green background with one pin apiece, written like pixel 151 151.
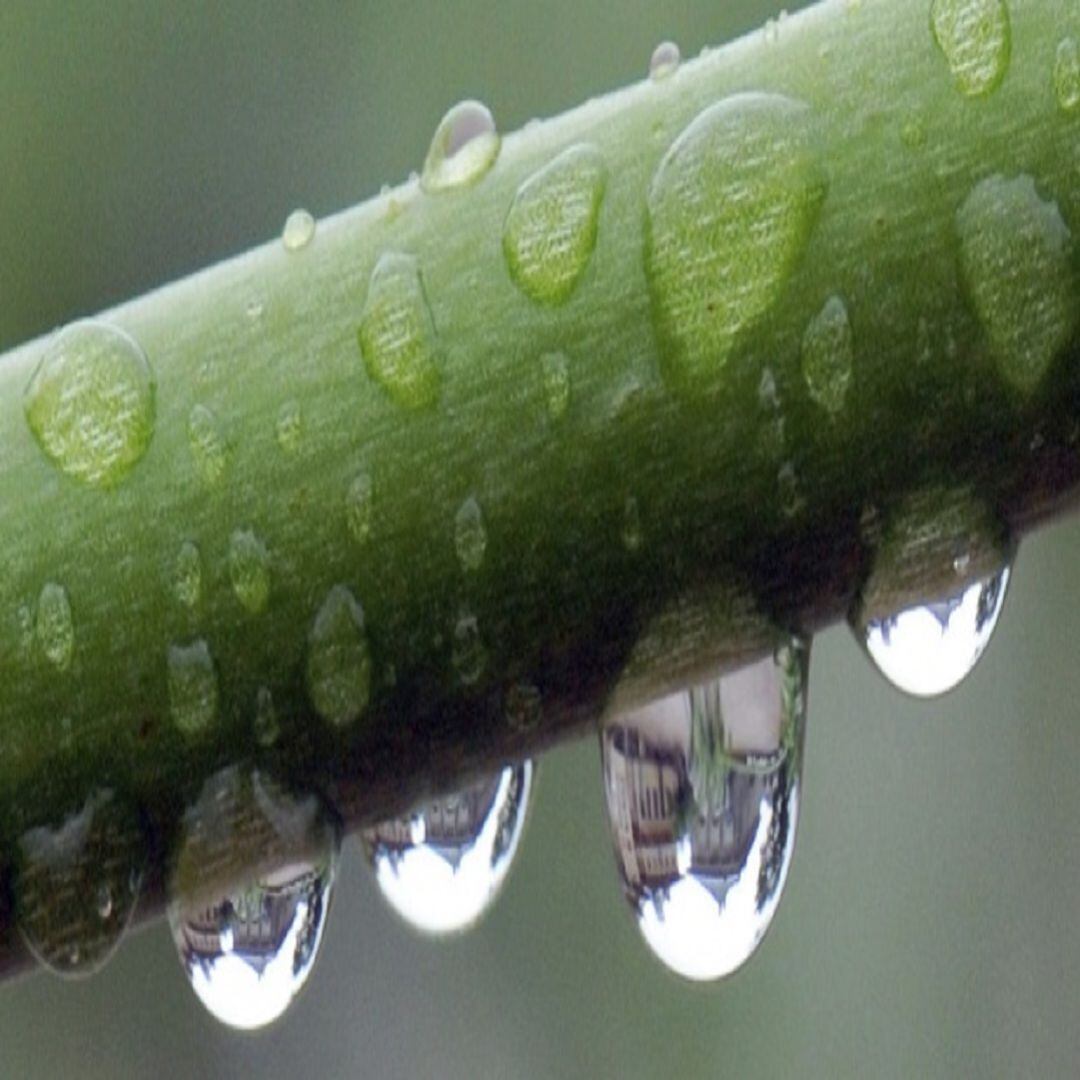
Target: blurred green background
pixel 930 922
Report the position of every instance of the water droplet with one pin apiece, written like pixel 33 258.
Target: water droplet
pixel 524 707
pixel 1016 267
pixel 470 536
pixel 828 355
pixel 299 230
pixel 976 39
pixel 54 626
pixel 397 333
pixel 187 575
pixel 254 310
pixel 730 211
pixel 468 653
pixel 703 791
pixel 550 230
pixel 290 427
pixel 555 369
pixel 792 501
pixel 250 896
pixel 193 688
pixel 442 867
pixel 631 525
pixel 1067 74
pixel 267 728
pixel 664 61
pixel 209 449
pixel 463 149
pixel 249 570
pixel 90 403
pixel 913 133
pixel 339 660
pixel 72 897
pixel 359 505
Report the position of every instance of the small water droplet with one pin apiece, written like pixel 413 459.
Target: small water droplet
pixel 193 687
pixel 632 537
pixel 209 448
pixel 703 791
pixel 359 507
pixel 828 355
pixel 664 61
pixel 976 39
pixel 299 230
pixel 71 897
pixel 1016 266
pixel 555 370
pixel 397 333
pixel 54 626
pixel 254 310
pixel 250 895
pixel 187 575
pixel 267 728
pixel 470 536
pixel 290 427
pixel 468 653
pixel 524 707
pixel 792 501
pixel 550 230
pixel 463 149
pixel 730 212
pixel 913 133
pixel 1067 74
pixel 249 570
pixel 441 868
pixel 339 659
pixel 90 403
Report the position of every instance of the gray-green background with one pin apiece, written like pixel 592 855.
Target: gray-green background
pixel 930 923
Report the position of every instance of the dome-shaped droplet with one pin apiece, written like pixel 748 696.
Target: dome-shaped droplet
pixel 90 403
pixel 828 355
pixel 1067 75
pixel 463 149
pixel 193 687
pixel 209 447
pixel 703 793
pixel 441 867
pixel 555 371
pixel 299 230
pixel 54 626
pixel 550 230
pixel 250 895
pixel 1016 261
pixel 664 61
pixel 730 211
pixel 339 660
pixel 76 884
pixel 470 535
pixel 187 575
pixel 249 570
pixel 397 333
pixel 976 39
pixel 290 427
pixel 359 507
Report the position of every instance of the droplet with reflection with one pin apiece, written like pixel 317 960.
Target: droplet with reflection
pixel 249 895
pixel 441 867
pixel 702 790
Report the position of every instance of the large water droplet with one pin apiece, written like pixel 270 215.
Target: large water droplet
pixel 299 230
pixel 1067 74
pixel 441 867
pixel 470 536
pixel 464 147
pixel 90 403
pixel 664 61
pixel 77 884
pixel 193 687
pixel 250 895
pixel 209 448
pixel 397 333
pixel 828 355
pixel 730 211
pixel 187 575
pixel 555 370
pixel 359 507
pixel 339 660
pixel 703 792
pixel 550 230
pixel 290 427
pixel 249 570
pixel 1016 264
pixel 54 626
pixel 976 39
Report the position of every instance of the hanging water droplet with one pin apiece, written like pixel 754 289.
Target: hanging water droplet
pixel 828 355
pixel 555 370
pixel 54 626
pixel 359 506
pixel 1067 74
pixel 1016 265
pixel 193 688
pixel 187 575
pixel 267 728
pixel 470 536
pixel 249 570
pixel 290 427
pixel 397 333
pixel 250 895
pixel 467 650
pixel 339 660
pixel 90 403
pixel 463 149
pixel 299 230
pixel 550 230
pixel 72 899
pixel 441 868
pixel 703 791
pixel 664 61
pixel 730 212
pixel 209 449
pixel 976 39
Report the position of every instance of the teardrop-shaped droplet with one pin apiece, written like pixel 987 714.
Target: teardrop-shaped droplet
pixel 703 791
pixel 664 61
pixel 828 355
pixel 470 535
pixel 463 149
pixel 90 403
pixel 193 687
pixel 441 867
pixel 299 230
pixel 1067 75
pixel 209 447
pixel 976 40
pixel 249 570
pixel 339 659
pixel 250 894
pixel 54 625
pixel 77 884
pixel 550 230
